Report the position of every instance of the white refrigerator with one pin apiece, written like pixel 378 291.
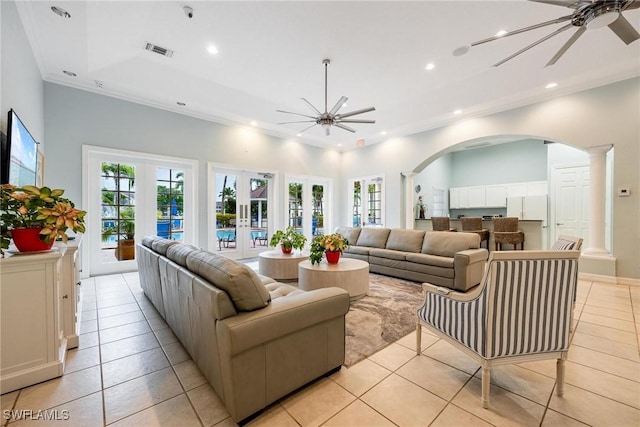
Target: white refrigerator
pixel 528 208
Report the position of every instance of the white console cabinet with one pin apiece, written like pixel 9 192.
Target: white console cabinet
pixel 33 344
pixel 71 291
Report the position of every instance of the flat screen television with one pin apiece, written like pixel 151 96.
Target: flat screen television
pixel 20 154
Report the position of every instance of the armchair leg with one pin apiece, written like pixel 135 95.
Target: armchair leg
pixel 560 377
pixel 486 384
pixel 418 338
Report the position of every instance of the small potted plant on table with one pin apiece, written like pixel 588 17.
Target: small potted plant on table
pixel 288 240
pixel 331 246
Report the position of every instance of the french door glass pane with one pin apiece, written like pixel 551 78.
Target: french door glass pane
pixel 259 201
pixel 118 211
pixel 317 219
pixel 170 203
pixel 226 186
pixel 357 203
pixel 374 203
pixel 295 205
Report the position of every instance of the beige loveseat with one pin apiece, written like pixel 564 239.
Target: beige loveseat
pixel 254 339
pixel 453 260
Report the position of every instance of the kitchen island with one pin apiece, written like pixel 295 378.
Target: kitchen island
pixel 535 233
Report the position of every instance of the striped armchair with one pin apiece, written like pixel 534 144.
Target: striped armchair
pixel 520 312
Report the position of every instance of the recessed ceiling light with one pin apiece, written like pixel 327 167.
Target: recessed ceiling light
pixel 60 12
pixel 430 66
pixel 461 50
pixel 339 145
pixel 551 85
pixel 254 123
pixel 384 132
pixel 69 73
pixel 212 49
pixel 182 104
pixel 99 84
pixel 457 112
pixel 501 33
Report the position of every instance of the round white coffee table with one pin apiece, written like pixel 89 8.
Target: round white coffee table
pixel 349 274
pixel 280 266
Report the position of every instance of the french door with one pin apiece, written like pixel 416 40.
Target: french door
pixel 243 205
pixel 130 195
pixel 307 206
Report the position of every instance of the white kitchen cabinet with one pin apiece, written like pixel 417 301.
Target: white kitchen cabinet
pixel 33 344
pixel 496 196
pixel 454 198
pixel 518 189
pixel 537 188
pixel 463 197
pixel 476 197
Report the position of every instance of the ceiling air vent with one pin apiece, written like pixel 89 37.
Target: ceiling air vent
pixel 159 50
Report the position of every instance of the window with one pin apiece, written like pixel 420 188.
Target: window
pixel 118 195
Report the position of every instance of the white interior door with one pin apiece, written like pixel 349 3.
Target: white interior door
pixel 243 202
pixel 571 202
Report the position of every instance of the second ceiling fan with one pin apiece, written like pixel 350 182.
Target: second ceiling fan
pixel 331 117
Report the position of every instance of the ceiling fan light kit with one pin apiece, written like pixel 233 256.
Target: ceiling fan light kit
pixel 329 117
pixel 589 14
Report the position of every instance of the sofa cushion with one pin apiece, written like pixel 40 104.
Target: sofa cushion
pixel 373 237
pixel 405 240
pixel 435 260
pixel 445 243
pixel 160 245
pixel 387 253
pixel 178 253
pixel 359 250
pixel 350 233
pixel 241 283
pixel 148 240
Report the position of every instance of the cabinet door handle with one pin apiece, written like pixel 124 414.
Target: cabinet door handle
pixel 79 283
pixel 65 296
pixel 559 223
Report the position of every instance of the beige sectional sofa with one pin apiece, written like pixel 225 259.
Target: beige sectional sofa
pixel 453 260
pixel 254 339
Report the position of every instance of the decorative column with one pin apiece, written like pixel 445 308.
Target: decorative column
pixel 408 199
pixel 597 180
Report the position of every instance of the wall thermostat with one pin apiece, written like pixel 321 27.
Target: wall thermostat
pixel 624 192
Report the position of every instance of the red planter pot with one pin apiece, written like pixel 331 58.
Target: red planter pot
pixel 332 256
pixel 284 250
pixel 28 240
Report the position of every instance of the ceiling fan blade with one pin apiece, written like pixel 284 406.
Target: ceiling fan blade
pixel 353 113
pixel 624 30
pixel 547 37
pixel 297 114
pixel 522 30
pixel 567 45
pixel 341 126
pixel 371 122
pixel 301 121
pixel 632 5
pixel 311 106
pixel 566 3
pixel 338 105
pixel 307 128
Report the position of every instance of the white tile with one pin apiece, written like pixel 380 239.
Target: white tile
pixel 208 405
pixel 78 359
pixel 317 402
pixel 120 319
pixel 83 412
pixel 358 414
pixel 175 412
pixel 442 380
pixel 128 346
pixel 134 366
pixel 275 415
pixel 393 356
pixel 360 377
pixel 452 416
pixel 189 375
pixel 124 331
pixel 132 396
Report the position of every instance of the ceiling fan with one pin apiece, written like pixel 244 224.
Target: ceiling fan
pixel 330 118
pixel 588 14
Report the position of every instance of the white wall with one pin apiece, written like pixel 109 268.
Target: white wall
pixel 604 115
pixel 20 80
pixel 75 117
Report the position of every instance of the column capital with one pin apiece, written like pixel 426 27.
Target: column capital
pixel 600 149
pixel 410 174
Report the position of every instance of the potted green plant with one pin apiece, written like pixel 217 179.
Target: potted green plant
pixel 288 240
pixel 125 235
pixel 41 213
pixel 330 245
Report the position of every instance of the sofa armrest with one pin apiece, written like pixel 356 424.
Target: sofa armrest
pixel 281 317
pixel 469 267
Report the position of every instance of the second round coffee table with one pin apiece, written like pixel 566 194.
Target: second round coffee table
pixel 279 266
pixel 349 274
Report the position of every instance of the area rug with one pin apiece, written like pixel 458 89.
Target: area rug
pixel 384 315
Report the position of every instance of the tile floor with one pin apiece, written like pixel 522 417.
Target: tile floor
pixel 130 370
